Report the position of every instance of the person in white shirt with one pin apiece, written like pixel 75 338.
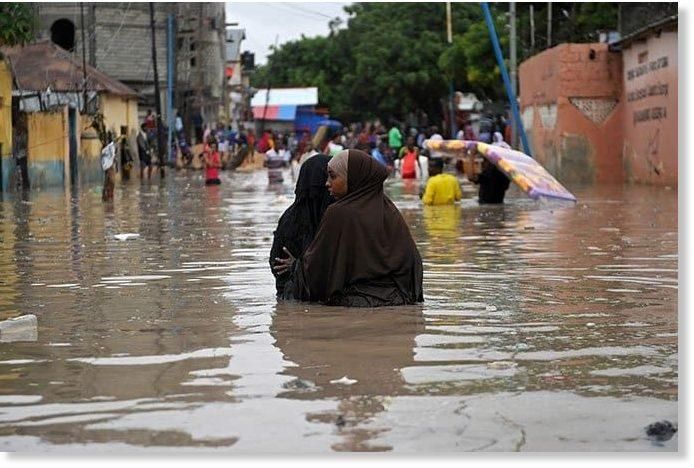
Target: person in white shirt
pixel 334 146
pixel 108 164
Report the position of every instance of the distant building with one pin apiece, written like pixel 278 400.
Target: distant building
pixel 200 57
pixel 237 78
pixel 118 42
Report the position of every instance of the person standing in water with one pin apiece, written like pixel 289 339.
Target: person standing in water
pixel 363 254
pixel 409 160
pixel 213 162
pixel 493 183
pixel 108 164
pixel 441 189
pixel 144 152
pixel 126 158
pixel 299 223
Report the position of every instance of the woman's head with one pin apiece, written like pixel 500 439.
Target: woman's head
pixel 353 171
pixel 312 177
pixel 338 167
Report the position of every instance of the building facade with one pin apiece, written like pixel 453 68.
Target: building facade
pixel 118 42
pixel 650 103
pixel 48 106
pixel 201 58
pixel 607 112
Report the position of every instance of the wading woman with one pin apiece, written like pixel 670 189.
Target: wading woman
pixel 363 254
pixel 299 223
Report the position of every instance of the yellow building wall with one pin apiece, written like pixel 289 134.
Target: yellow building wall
pixel 48 148
pixel 119 111
pixel 5 108
pixel 48 135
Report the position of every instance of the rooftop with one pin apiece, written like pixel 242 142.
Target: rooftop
pixel 43 64
pixel 286 96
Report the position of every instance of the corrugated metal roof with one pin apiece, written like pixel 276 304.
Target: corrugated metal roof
pixel 43 64
pixel 286 97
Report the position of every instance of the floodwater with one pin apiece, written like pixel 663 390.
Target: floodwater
pixel 545 327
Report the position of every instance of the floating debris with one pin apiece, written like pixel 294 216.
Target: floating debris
pixel 661 430
pixel 344 381
pixel 126 236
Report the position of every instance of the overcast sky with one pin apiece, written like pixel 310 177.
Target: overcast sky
pixel 264 22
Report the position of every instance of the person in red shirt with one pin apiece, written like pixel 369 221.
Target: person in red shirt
pixel 409 160
pixel 213 162
pixel 150 123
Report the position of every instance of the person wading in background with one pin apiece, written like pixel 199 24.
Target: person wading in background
pixel 441 189
pixel 144 152
pixel 108 164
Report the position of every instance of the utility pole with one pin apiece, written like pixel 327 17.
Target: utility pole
pixel 549 24
pixel 157 97
pixel 451 91
pixel 513 65
pixel 84 61
pixel 169 84
pixel 518 123
pixel 198 65
pixel 532 29
pixel 269 87
pixel 92 35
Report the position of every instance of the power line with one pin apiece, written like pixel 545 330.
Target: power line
pixel 307 10
pixel 292 10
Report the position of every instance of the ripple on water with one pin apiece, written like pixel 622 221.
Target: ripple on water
pixel 539 320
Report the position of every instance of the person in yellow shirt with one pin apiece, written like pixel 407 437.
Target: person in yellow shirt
pixel 441 189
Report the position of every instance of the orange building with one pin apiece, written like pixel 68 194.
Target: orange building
pixel 650 104
pixel 572 111
pixel 606 114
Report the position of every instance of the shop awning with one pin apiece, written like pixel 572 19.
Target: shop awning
pixel 275 112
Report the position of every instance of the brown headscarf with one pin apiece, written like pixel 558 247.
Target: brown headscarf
pixel 363 246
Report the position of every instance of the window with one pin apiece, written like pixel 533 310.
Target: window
pixel 63 34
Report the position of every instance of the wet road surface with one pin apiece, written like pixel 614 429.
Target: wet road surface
pixel 545 327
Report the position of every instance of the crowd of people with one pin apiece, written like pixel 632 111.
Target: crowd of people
pixel 343 242
pixel 400 150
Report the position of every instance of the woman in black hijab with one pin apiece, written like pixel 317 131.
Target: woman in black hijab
pixel 299 223
pixel 363 254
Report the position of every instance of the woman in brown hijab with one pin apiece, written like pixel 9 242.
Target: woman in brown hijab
pixel 363 254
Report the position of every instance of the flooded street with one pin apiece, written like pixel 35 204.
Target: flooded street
pixel 545 327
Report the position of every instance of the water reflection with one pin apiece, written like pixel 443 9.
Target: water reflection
pixel 352 356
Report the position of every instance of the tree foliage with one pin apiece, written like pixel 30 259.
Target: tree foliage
pixel 393 59
pixel 18 23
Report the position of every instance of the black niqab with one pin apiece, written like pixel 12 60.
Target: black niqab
pixel 299 223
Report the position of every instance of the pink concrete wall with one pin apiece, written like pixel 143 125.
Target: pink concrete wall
pixel 572 109
pixel 650 114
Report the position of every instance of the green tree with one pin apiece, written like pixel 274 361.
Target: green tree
pixel 393 59
pixel 18 23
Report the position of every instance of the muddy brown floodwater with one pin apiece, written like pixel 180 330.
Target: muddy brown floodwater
pixel 545 327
